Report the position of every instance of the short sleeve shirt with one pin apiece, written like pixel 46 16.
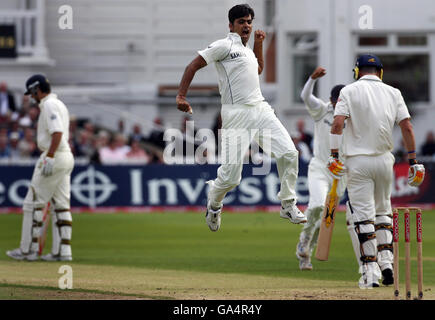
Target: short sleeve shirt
pixel 237 69
pixel 54 117
pixel 372 108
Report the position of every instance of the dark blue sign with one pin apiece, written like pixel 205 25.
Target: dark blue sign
pixel 152 185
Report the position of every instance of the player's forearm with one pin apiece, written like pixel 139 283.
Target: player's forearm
pixel 56 137
pixel 189 73
pixel 408 138
pixel 336 135
pixel 187 78
pixel 310 100
pixel 258 51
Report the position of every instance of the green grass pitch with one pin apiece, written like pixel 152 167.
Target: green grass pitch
pixel 256 244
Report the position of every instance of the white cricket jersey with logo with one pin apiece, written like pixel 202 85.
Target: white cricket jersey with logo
pixel 237 69
pixel 373 108
pixel 54 117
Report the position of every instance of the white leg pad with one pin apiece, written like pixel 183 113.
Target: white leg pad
pixel 55 233
pixel 64 222
pixel 384 238
pixel 353 235
pixel 36 228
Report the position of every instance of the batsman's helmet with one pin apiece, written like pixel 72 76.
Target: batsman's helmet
pixel 367 60
pixel 37 81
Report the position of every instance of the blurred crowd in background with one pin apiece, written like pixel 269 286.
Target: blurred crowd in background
pixel 102 146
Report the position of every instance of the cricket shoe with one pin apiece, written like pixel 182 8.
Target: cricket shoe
pixel 304 262
pixel 302 248
pixel 388 278
pixel 212 217
pixel 17 254
pixel 370 276
pixel 55 257
pixel 290 211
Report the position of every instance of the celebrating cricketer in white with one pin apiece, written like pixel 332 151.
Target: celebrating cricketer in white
pixel 50 180
pixel 319 178
pixel 243 108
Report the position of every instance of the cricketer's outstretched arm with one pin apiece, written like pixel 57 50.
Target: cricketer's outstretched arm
pixel 187 78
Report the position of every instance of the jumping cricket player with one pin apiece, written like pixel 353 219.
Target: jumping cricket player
pixel 371 108
pixel 243 110
pixel 51 178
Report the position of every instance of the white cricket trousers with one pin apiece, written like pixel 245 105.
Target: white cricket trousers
pixel 369 188
pixel 240 125
pixel 319 184
pixel 55 188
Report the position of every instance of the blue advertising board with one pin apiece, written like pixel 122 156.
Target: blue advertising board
pixel 152 185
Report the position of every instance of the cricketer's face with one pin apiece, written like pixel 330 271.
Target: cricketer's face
pixel 243 27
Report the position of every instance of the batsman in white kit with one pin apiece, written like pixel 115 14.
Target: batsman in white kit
pixel 319 177
pixel 51 178
pixel 371 108
pixel 243 110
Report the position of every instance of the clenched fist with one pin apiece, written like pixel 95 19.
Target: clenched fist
pixel 183 105
pixel 259 35
pixel 318 73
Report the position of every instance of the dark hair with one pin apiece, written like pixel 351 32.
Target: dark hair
pixel 240 11
pixel 335 92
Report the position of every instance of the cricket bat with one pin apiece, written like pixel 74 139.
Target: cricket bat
pixel 44 229
pixel 327 224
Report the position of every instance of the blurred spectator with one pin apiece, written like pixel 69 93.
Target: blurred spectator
pixel 8 109
pixel 428 148
pixel 27 145
pixel 30 119
pixel 156 135
pixel 14 139
pixel 301 146
pixel 304 136
pixel 73 127
pixel 136 135
pixel 121 126
pixel 116 151
pixel 15 127
pixel 85 146
pixel 137 155
pixel 5 151
pixel 89 127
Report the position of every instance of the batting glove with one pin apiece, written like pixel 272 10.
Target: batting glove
pixel 416 175
pixel 336 167
pixel 47 166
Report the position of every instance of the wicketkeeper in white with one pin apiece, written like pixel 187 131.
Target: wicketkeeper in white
pixel 371 108
pixel 319 177
pixel 243 110
pixel 50 180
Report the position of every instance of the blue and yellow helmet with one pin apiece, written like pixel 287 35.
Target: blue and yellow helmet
pixel 367 60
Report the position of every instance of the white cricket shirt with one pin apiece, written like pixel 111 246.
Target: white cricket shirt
pixel 54 117
pixel 323 115
pixel 237 69
pixel 373 108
